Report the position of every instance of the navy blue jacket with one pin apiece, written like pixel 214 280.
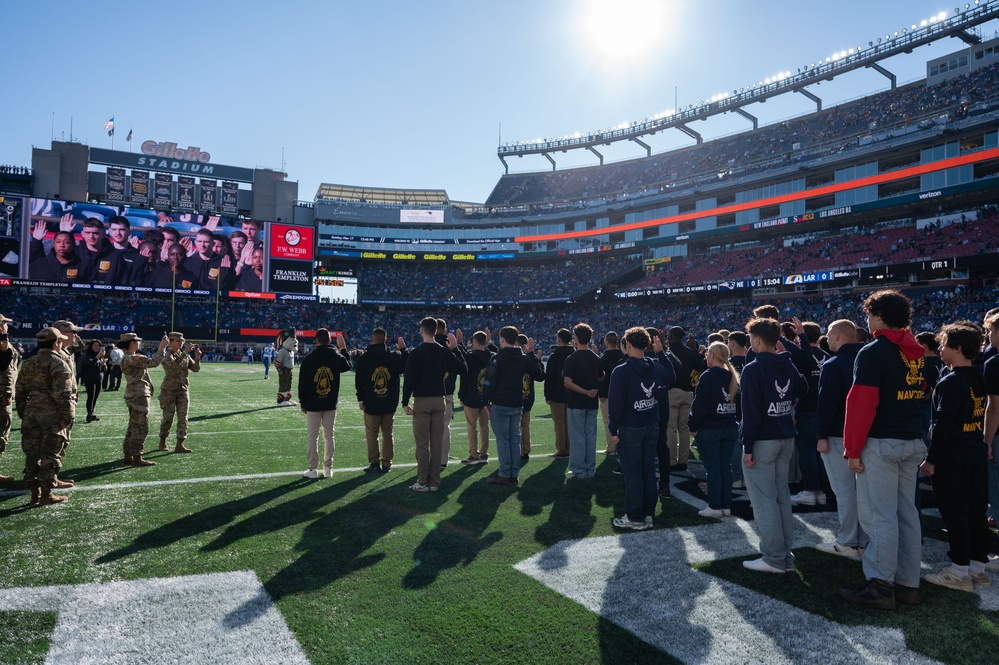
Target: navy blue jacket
pixel 503 381
pixel 632 398
pixel 712 408
pixel 835 381
pixel 769 387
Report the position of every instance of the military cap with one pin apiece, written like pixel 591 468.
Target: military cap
pixel 176 337
pixel 130 337
pixel 66 326
pixel 49 334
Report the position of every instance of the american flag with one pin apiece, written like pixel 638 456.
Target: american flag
pixel 110 123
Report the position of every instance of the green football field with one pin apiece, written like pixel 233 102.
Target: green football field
pixel 229 555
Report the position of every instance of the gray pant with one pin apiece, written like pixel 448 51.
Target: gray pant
pixel 766 482
pixel 886 491
pixel 844 486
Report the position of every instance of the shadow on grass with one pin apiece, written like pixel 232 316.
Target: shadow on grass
pixel 208 519
pixel 14 504
pixel 948 625
pixel 458 539
pixel 216 416
pixel 82 473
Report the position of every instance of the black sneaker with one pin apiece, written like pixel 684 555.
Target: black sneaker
pixel 877 594
pixel 664 492
pixel 500 480
pixel 372 468
pixel 470 460
pixel 524 458
pixel 483 458
pixel 562 456
pixel 617 471
pixel 385 468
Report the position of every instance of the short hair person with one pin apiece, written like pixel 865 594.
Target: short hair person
pixel 883 441
pixel 318 392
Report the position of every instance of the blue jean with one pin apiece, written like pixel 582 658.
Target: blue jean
pixel 636 452
pixel 506 427
pixel 582 442
pixel 844 486
pixel 994 481
pixel 736 464
pixel 766 482
pixel 808 456
pixel 887 512
pixel 715 447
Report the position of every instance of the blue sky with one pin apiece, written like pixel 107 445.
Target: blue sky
pixel 413 94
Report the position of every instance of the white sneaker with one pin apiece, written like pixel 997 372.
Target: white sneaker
pixel 993 563
pixel 289 402
pixel 311 473
pixel 947 578
pixel 820 498
pixel 648 521
pixel 803 498
pixel 726 512
pixel 710 512
pixel 841 550
pixel 328 471
pixel 761 566
pixel 625 523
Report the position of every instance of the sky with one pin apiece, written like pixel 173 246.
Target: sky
pixel 415 94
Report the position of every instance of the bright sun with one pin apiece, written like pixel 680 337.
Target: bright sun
pixel 626 29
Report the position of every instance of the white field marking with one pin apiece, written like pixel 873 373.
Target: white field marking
pixel 189 481
pixel 198 619
pixel 643 582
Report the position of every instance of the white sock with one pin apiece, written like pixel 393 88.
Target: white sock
pixel 977 567
pixel 959 571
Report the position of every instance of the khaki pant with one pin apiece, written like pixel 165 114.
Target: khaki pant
pixel 478 431
pixel 448 417
pixel 605 417
pixel 525 433
pixel 314 420
pixel 561 428
pixel 372 424
pixel 429 426
pixel 677 434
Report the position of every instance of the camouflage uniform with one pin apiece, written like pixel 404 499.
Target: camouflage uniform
pixel 138 391
pixel 45 398
pixel 174 392
pixel 8 378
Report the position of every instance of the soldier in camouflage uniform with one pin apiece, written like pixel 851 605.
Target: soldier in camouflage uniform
pixel 177 362
pixel 9 360
pixel 45 398
pixel 138 391
pixel 71 350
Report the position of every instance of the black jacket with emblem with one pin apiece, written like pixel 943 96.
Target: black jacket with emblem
pixel 376 378
pixel 319 378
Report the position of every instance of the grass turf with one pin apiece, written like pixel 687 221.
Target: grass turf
pixel 362 569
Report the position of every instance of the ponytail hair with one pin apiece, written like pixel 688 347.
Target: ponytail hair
pixel 719 351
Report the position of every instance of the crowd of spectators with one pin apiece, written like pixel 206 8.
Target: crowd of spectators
pixel 834 129
pixel 562 280
pixel 932 307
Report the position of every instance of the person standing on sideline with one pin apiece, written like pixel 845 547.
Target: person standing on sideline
pixel 805 443
pixel 113 377
pixel 9 361
pixel 376 381
pixel 835 381
pixel 503 400
pixel 249 356
pixel 318 392
pixel 92 370
pixel 633 413
pixel 529 396
pixel 769 387
pixel 883 441
pixel 450 384
pixel 45 398
pixel 958 458
pixel 138 392
pixel 267 357
pixel 472 405
pixel 611 358
pixel 738 345
pixel 680 397
pixel 177 361
pixel 712 421
pixel 582 375
pixel 555 395
pixel 426 373
pixel 284 361
pixel 992 412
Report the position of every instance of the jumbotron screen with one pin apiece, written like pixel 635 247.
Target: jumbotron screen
pixel 102 247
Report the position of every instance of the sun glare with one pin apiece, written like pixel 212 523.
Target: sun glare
pixel 625 29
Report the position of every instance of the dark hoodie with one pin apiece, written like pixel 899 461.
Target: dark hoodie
pixel 554 382
pixel 451 378
pixel 503 384
pixel 835 381
pixel 632 397
pixel 769 387
pixel 470 392
pixel 376 378
pixel 957 435
pixel 712 409
pixel 885 400
pixel 319 378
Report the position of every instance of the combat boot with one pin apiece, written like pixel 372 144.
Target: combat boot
pixel 59 484
pixel 138 461
pixel 180 447
pixel 127 460
pixel 36 492
pixel 47 498
pixel 163 445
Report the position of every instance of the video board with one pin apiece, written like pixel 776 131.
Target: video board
pixel 92 246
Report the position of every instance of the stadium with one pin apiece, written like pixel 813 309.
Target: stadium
pixel 230 555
